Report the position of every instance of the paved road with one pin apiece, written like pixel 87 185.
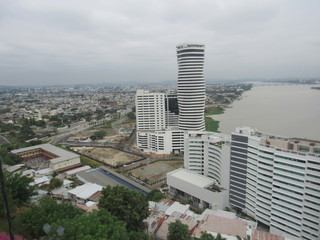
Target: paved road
pixel 79 128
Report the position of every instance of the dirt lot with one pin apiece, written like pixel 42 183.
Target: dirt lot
pixel 156 171
pixel 110 156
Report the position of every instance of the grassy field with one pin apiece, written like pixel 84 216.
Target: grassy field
pixel 211 124
pixel 214 110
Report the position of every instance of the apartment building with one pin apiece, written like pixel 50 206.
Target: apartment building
pixel 157 123
pixel 208 154
pixel 276 180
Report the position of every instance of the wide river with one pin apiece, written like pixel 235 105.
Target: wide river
pixel 279 109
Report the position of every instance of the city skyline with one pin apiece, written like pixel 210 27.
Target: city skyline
pixel 52 43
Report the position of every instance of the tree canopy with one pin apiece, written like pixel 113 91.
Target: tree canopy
pixel 155 195
pixel 206 236
pixel 178 231
pixel 18 190
pixel 48 211
pixel 131 115
pixel 98 135
pixel 127 205
pixel 91 226
pixel 8 157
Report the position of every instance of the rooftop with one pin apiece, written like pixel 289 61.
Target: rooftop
pixel 191 177
pixel 287 144
pixel 86 190
pixel 77 170
pixel 61 153
pixel 217 224
pixel 177 207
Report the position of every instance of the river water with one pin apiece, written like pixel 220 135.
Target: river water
pixel 279 109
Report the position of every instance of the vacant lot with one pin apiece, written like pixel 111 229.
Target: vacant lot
pixel 109 156
pixel 156 171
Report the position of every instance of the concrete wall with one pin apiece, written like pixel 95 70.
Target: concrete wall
pixel 65 164
pixel 217 200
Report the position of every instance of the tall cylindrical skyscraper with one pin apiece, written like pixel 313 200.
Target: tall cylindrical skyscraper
pixel 191 86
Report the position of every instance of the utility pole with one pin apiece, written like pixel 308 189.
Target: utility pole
pixel 5 201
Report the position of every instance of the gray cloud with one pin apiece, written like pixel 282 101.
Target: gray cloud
pixel 77 41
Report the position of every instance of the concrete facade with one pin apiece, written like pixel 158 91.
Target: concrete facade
pixel 191 86
pixel 199 190
pixel 276 180
pixel 208 153
pixel 59 159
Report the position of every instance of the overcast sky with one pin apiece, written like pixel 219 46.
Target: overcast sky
pixel 108 41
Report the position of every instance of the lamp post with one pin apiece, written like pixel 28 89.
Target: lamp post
pixel 5 201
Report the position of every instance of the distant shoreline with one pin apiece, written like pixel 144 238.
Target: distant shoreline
pixel 211 124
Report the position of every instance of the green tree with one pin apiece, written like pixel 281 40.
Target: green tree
pixel 55 183
pixel 178 231
pixel 138 235
pixel 155 195
pixel 127 205
pixel 35 142
pixel 8 157
pixel 26 133
pixel 245 238
pixel 98 135
pixel 96 225
pixel 206 236
pixel 18 190
pixel 40 123
pixel 131 116
pixel 47 211
pixel 6 127
pixel 219 237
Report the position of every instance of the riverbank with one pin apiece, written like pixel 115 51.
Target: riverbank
pixel 219 98
pixel 211 124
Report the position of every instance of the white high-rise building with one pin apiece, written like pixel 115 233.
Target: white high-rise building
pixel 150 110
pixel 191 87
pixel 157 123
pixel 276 180
pixel 163 119
pixel 208 154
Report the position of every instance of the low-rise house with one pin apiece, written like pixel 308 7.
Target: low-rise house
pixel 163 231
pixel 83 193
pixel 213 222
pixel 41 181
pixel 15 168
pixel 88 206
pixel 225 226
